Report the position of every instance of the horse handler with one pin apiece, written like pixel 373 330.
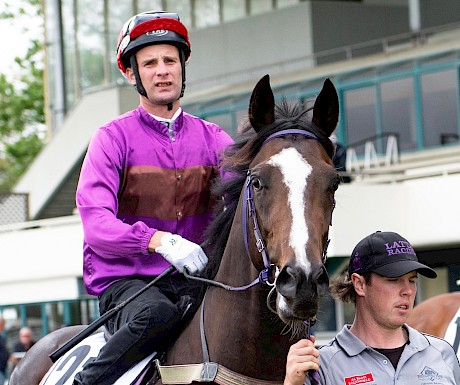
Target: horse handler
pixel 144 198
pixel 379 347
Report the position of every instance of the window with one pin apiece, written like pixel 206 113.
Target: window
pixel 259 6
pixel 183 8
pixel 233 10
pixel 148 5
pixel 119 13
pixel 206 13
pixel 439 93
pixel 285 3
pixel 359 107
pixel 90 49
pixel 398 113
pixel 70 54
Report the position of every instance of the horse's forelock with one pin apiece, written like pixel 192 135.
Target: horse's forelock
pixel 299 116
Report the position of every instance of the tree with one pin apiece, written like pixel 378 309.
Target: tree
pixel 22 112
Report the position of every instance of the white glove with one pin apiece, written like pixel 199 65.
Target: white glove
pixel 182 254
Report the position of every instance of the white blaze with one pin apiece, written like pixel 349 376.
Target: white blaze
pixel 295 170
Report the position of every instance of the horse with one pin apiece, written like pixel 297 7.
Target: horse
pixel 267 245
pixel 439 316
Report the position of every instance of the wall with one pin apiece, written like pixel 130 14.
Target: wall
pixel 235 48
pixel 69 144
pixel 423 210
pixel 439 12
pixel 41 263
pixel 347 23
pixel 282 41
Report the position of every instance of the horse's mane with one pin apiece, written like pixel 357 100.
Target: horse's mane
pixel 236 160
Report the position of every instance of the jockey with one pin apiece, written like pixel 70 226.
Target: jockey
pixel 144 198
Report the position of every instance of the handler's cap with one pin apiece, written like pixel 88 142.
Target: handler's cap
pixel 387 254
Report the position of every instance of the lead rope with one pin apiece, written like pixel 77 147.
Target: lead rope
pixel 312 374
pixel 204 344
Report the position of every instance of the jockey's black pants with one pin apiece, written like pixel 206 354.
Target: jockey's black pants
pixel 147 324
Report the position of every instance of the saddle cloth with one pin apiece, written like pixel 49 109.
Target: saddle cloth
pixel 453 333
pixel 64 370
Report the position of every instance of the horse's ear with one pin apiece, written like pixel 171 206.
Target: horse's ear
pixel 326 109
pixel 262 104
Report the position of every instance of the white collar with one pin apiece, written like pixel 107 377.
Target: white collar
pixel 169 121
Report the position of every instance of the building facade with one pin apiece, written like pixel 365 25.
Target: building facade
pixel 394 81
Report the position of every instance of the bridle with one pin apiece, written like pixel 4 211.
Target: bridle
pixel 249 210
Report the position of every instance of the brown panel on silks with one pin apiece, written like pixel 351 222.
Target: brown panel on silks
pixel 183 192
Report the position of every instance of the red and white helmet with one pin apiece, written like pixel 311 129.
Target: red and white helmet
pixel 149 28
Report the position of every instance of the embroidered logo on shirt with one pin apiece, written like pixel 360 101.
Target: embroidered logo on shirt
pixel 429 374
pixel 359 379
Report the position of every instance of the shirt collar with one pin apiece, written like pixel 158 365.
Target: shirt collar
pixel 353 346
pixel 168 121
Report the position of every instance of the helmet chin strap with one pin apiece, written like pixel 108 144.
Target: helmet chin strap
pixel 140 88
pixel 182 61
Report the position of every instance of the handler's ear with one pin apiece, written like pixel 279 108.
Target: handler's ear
pixel 359 283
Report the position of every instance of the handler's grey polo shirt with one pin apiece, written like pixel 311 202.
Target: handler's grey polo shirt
pixel 426 360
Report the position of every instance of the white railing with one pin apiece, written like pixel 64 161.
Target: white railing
pixel 41 223
pixel 393 167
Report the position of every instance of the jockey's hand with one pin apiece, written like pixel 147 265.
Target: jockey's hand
pixel 182 254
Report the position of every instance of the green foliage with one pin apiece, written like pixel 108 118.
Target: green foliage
pixel 22 112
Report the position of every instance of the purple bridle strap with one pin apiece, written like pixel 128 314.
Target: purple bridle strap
pixel 249 209
pixel 291 131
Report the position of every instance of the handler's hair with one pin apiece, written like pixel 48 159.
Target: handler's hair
pixel 342 287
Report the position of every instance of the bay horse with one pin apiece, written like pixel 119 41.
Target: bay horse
pixel 278 200
pixel 439 316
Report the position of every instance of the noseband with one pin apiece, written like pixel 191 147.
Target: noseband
pixel 249 209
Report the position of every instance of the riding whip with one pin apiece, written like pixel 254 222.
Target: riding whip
pixel 96 324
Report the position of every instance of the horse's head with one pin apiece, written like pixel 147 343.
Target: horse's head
pixel 291 182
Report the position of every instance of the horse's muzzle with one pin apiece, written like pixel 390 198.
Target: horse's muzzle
pixel 299 292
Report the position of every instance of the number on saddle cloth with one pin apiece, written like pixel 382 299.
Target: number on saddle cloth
pixel 64 370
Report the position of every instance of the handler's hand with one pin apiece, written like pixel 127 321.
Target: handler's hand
pixel 302 357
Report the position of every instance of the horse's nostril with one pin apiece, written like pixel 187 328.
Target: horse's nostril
pixel 286 283
pixel 322 278
pixel 291 282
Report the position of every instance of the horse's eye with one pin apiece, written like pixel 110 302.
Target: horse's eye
pixel 335 184
pixel 256 183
